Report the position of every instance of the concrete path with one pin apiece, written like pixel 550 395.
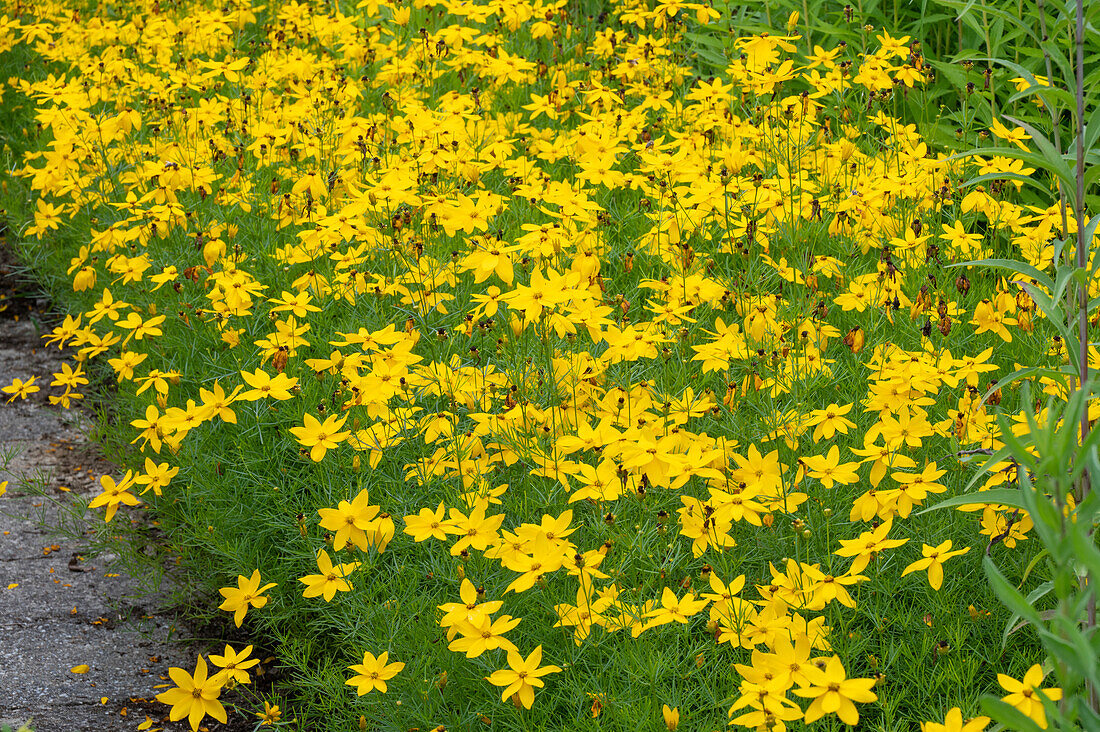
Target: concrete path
pixel 60 610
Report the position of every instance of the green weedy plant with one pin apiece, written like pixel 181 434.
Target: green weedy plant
pixel 1052 456
pixel 1047 462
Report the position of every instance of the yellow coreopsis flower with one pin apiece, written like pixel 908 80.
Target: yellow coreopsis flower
pixel 115 494
pixel 523 676
pixel 1026 695
pixel 20 389
pixel 156 476
pixel 1015 136
pixel 954 723
pixel 829 470
pixel 477 530
pixel 989 318
pixel 234 665
pixel 480 633
pixel 331 579
pixel 429 524
pixel 248 593
pixel 270 715
pixel 827 422
pixel 194 696
pixel 350 521
pixel 671 715
pixel 834 693
pixel 320 437
pixel 674 609
pixel 934 557
pixel 867 545
pixel 277 387
pixel 373 673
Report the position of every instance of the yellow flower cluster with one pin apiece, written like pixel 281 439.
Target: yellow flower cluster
pixel 549 277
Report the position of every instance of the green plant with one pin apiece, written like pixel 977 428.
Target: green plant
pixel 1051 454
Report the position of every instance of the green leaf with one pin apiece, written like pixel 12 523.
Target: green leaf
pixel 1021 268
pixel 1031 565
pixel 1050 153
pixel 1021 374
pixel 1032 597
pixel 996 496
pixel 1084 549
pixel 1009 595
pixel 1025 179
pixel 989 11
pixel 1090 230
pixel 1092 128
pixel 1008 715
pixel 1062 276
pixel 706 39
pixel 1058 166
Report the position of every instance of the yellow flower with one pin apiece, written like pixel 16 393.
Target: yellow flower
pixel 480 633
pixel 265 386
pixel 478 531
pixel 1026 695
pixel 140 328
pixel 829 421
pixel 234 666
pixel 373 673
pixel 671 716
pixel 829 470
pixel 20 389
pixel 270 715
pixel 989 318
pixel 68 377
pixel 350 521
pixel 115 494
pixel 867 545
pixel 194 696
pixel 1015 136
pixel 330 581
pixel 954 723
pixel 523 676
pixel 247 593
pixel 156 476
pixel 934 557
pixel 320 437
pixel 674 609
pixel 834 693
pixel 429 524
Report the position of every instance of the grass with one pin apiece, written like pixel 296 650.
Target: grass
pixel 791 231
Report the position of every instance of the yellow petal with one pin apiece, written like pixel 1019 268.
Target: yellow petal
pixel 81 669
